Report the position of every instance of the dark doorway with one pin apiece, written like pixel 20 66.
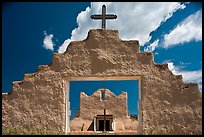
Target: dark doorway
pixel 107 125
pixel 101 125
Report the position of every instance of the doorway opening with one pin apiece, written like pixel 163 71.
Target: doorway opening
pixel 99 123
pixel 129 84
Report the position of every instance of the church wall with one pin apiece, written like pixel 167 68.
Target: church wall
pixel 115 105
pixel 36 103
pixel 169 105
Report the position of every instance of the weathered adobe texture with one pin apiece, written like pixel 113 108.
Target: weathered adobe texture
pixel 91 106
pixel 169 106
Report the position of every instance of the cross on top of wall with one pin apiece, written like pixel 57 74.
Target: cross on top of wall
pixel 104 16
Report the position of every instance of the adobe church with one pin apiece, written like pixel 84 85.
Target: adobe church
pixel 167 104
pixel 103 111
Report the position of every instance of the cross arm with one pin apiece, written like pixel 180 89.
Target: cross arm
pixel 110 16
pixel 96 16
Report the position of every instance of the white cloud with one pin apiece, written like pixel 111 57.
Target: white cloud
pixel 186 31
pixel 171 67
pixel 47 42
pixel 194 76
pixel 136 20
pixel 188 76
pixel 152 46
pixel 63 47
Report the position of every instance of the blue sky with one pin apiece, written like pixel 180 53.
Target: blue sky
pixel 33 31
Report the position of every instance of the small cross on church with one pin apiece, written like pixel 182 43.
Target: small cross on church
pixel 104 16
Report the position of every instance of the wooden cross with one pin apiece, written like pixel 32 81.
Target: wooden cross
pixel 104 16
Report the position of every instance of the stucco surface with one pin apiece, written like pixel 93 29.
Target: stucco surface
pixel 115 105
pixel 169 106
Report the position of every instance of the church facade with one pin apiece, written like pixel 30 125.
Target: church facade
pixel 39 101
pixel 103 111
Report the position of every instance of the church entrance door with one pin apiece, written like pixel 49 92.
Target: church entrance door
pixel 101 125
pixel 107 125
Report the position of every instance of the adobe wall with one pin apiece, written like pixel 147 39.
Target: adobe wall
pixel 169 106
pixel 94 104
pixel 37 103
